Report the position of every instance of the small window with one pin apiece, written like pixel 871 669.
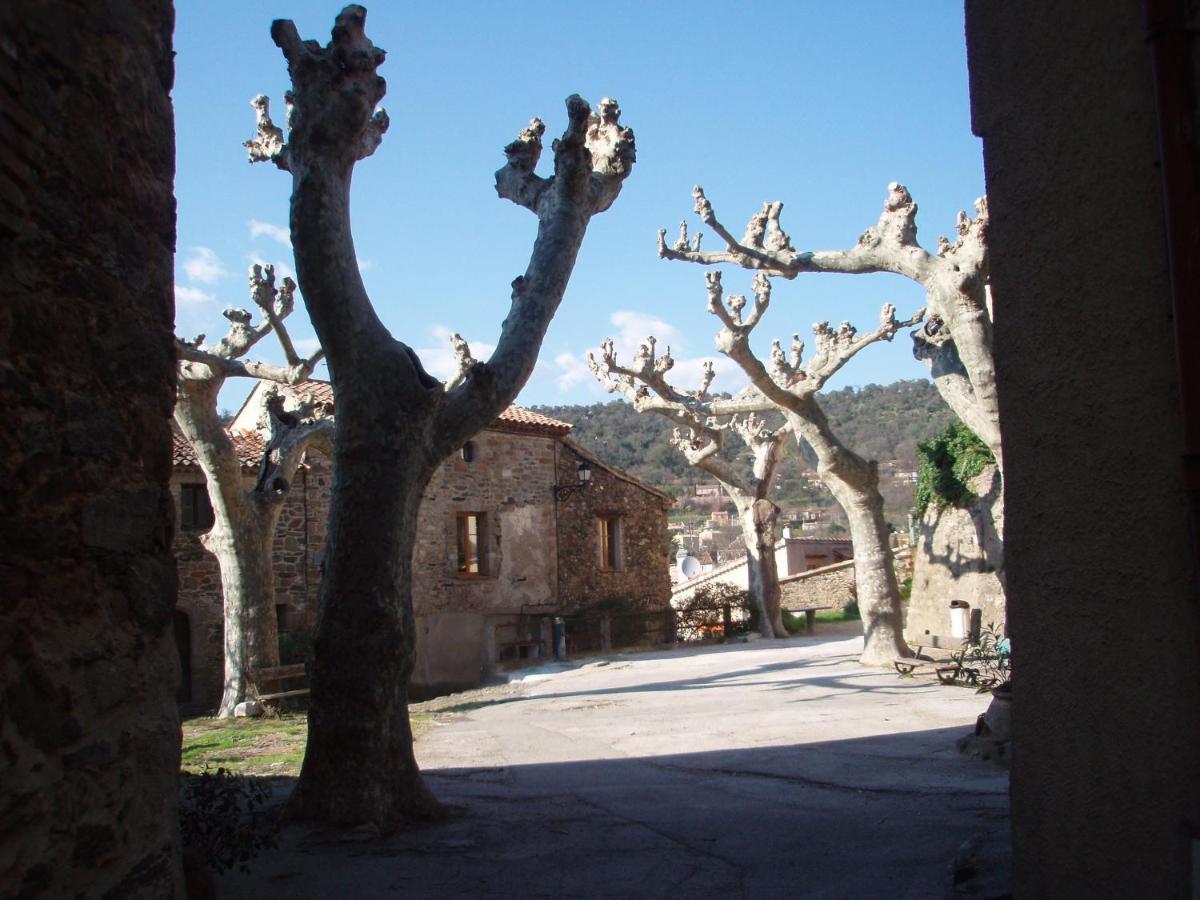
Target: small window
pixel 283 617
pixel 609 528
pixel 471 530
pixel 468 451
pixel 195 509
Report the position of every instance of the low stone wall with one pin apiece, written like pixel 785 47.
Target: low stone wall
pixel 829 586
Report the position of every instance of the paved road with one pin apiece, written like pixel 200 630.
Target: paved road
pixel 765 769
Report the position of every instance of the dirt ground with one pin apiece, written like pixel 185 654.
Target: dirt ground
pixel 763 769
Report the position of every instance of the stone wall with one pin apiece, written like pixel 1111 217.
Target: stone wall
pixel 829 586
pixel 1100 565
pixel 509 482
pixel 643 578
pixel 89 737
pixel 958 551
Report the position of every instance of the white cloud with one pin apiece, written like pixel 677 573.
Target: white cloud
pixel 306 346
pixel 366 264
pixel 274 232
pixel 185 294
pixel 205 266
pixel 686 374
pixel 572 370
pixel 630 332
pixel 632 329
pixel 439 359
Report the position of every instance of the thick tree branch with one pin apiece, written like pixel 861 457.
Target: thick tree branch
pixel 222 361
pixel 955 281
pixel 291 433
pixel 333 122
pixel 592 159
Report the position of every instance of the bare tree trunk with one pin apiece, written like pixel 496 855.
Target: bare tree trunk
pixel 359 763
pixel 758 519
pixel 854 482
pixel 244 517
pixel 242 546
pixel 395 422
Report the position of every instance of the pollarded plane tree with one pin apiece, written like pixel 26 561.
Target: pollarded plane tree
pixel 700 437
pixel 956 342
pixel 790 386
pixel 395 422
pixel 244 517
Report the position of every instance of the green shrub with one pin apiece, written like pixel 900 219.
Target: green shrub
pixel 945 466
pixel 219 818
pixel 793 623
pixel 703 615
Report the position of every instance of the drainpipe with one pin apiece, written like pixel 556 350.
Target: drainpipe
pixel 1167 37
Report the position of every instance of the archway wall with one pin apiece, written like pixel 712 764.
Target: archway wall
pixel 1100 571
pixel 89 738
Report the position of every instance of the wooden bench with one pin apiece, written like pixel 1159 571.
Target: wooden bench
pixel 279 674
pixel 909 665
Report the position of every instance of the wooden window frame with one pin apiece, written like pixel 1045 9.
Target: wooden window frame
pixel 462 535
pixel 610 531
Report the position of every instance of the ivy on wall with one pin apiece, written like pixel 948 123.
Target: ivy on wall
pixel 946 465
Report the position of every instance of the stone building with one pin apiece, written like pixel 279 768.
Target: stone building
pixel 508 538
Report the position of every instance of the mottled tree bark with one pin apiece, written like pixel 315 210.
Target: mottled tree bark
pixel 396 423
pixel 854 483
pixel 244 518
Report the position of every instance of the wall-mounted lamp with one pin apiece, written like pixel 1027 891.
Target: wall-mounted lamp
pixel 583 477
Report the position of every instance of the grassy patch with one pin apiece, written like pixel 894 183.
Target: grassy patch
pixel 848 614
pixel 254 746
pixel 794 622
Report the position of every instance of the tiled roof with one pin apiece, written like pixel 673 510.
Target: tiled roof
pixel 247 445
pixel 515 418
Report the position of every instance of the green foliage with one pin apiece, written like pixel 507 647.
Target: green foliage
pixel 220 818
pixel 273 746
pixel 793 623
pixel 945 466
pixel 703 615
pixel 877 422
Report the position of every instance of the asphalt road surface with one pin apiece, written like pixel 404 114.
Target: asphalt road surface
pixel 763 769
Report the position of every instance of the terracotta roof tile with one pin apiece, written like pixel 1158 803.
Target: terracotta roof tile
pixel 515 418
pixel 247 445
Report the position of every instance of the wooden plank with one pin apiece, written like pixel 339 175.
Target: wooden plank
pixel 275 673
pixel 281 694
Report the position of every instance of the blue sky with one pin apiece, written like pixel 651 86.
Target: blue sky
pixel 819 105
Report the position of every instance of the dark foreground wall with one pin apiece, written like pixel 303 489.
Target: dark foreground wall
pixel 89 739
pixel 1101 574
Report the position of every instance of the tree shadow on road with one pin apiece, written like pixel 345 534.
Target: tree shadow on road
pixel 878 816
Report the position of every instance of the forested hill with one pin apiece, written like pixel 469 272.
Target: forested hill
pixel 877 422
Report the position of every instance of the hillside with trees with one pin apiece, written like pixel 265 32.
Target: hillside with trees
pixel 880 422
